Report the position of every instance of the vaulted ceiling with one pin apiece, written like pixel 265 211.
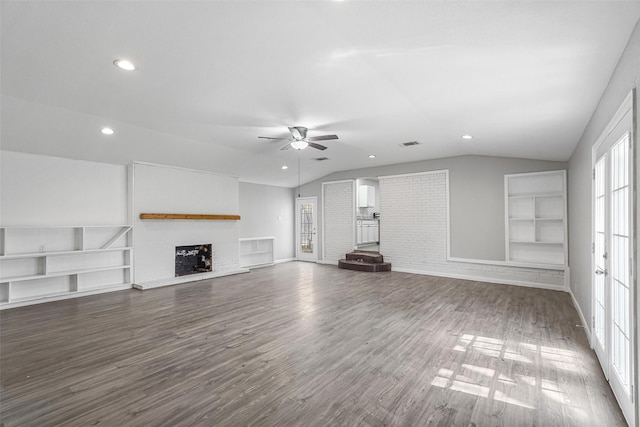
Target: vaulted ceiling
pixel 521 77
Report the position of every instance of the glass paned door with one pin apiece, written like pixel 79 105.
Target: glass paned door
pixel 306 226
pixel 612 282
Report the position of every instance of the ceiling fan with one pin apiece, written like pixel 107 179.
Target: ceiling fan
pixel 300 140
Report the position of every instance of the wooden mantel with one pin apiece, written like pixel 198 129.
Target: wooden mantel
pixel 207 217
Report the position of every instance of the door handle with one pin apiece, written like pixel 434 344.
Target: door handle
pixel 601 271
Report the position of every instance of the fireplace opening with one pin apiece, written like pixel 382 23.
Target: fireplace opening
pixel 193 259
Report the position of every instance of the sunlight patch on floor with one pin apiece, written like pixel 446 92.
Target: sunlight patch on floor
pixel 500 387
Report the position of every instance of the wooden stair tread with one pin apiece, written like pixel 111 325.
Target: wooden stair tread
pixel 364 266
pixel 370 257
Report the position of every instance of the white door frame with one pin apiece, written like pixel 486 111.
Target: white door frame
pixel 300 256
pixel 620 125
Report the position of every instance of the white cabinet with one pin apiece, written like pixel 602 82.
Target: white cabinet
pixel 535 211
pixel 39 264
pixel 366 196
pixel 256 251
pixel 367 231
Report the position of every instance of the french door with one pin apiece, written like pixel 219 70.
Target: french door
pixel 613 286
pixel 306 226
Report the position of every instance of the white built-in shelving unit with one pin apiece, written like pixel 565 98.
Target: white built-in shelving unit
pixel 536 218
pixel 40 264
pixel 256 251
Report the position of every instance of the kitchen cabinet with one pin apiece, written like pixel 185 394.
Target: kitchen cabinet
pixel 366 196
pixel 367 231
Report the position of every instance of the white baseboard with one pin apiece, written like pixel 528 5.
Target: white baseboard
pixel 321 261
pixel 269 264
pixel 69 295
pixel 184 279
pixel 483 279
pixel 587 329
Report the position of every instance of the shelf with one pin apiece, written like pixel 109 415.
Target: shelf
pixel 531 195
pixel 61 273
pixel 66 294
pixel 41 297
pixel 537 219
pixel 256 251
pixel 58 227
pixel 58 253
pixel 199 217
pixel 78 260
pixel 535 212
pixel 531 242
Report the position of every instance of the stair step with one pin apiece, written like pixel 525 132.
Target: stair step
pixel 364 266
pixel 369 257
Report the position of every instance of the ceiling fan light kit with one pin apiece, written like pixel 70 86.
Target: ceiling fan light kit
pixel 299 145
pixel 299 139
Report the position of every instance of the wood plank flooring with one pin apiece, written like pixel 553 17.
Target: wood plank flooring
pixel 302 344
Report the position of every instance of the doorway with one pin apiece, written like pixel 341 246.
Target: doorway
pixel 306 226
pixel 368 214
pixel 613 287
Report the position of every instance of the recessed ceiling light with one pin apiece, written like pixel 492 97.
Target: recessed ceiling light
pixel 124 64
pixel 372 156
pixel 107 131
pixel 285 167
pixel 467 137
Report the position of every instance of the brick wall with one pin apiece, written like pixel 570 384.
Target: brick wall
pixel 413 234
pixel 338 219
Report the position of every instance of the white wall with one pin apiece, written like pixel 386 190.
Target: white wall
pixel 413 234
pixel 165 189
pixel 625 78
pixel 477 197
pixel 338 201
pixel 268 211
pixel 45 190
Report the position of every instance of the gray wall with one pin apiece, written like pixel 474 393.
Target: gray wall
pixel 477 197
pixel 267 211
pixel 625 77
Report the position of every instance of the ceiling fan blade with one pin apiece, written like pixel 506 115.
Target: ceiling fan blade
pixel 321 138
pixel 273 139
pixel 286 147
pixel 318 146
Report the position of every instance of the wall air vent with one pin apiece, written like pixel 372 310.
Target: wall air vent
pixel 320 159
pixel 409 144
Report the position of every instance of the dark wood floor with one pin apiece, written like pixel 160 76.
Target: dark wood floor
pixel 308 345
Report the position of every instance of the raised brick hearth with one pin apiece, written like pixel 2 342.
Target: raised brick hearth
pixel 364 261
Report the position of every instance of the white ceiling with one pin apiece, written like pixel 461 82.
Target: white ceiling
pixel 522 77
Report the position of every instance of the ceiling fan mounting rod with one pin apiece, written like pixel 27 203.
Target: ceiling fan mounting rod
pixel 298 173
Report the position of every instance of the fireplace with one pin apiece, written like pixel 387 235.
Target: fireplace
pixel 193 259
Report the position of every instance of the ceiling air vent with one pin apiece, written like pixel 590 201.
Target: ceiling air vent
pixel 409 144
pixel 320 159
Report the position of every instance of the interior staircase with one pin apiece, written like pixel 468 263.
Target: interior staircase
pixel 364 261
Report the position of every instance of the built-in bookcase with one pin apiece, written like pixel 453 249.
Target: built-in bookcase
pixel 39 264
pixel 256 251
pixel 535 212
